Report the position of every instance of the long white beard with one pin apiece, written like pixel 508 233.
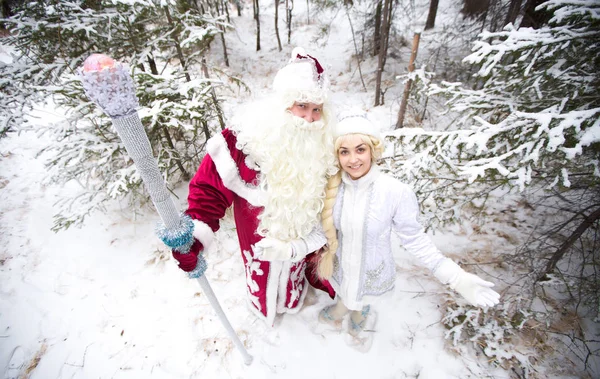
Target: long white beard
pixel 294 157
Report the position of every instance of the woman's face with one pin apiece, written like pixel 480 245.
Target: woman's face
pixel 355 156
pixel 309 111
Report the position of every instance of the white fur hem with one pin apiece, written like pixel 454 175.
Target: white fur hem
pixel 283 280
pixel 203 233
pixel 228 170
pixel 256 312
pixel 275 270
pixel 271 300
pixel 300 301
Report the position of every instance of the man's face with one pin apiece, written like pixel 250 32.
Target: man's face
pixel 309 111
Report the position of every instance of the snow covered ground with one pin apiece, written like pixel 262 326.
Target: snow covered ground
pixel 108 301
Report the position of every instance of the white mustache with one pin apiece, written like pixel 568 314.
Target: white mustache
pixel 301 123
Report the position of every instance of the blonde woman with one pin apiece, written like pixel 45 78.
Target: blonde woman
pixel 362 208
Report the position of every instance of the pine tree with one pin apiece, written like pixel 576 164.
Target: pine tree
pixel 531 127
pixel 161 45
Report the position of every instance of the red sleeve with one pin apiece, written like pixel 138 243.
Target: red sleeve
pixel 208 199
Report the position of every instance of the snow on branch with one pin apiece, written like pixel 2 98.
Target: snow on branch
pixel 512 148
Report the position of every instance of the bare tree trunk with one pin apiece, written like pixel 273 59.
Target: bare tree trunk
pixel 377 32
pixel 382 51
pixel 473 8
pixel 358 56
pixel 277 24
pixel 513 12
pixel 560 252
pixel 289 8
pixel 411 68
pixel 433 6
pixel 388 27
pixel 225 56
pixel 307 12
pixel 6 9
pixel 222 28
pixel 483 20
pixel 152 64
pixel 226 9
pixel 532 18
pixel 255 6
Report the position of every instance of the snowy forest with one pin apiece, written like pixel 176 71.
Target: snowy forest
pixel 490 111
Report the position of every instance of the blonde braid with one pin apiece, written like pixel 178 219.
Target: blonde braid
pixel 377 148
pixel 325 268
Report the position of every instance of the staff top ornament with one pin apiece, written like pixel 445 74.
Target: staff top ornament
pixel 108 83
pixel 98 62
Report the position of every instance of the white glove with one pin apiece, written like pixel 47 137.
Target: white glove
pixel 272 249
pixel 474 289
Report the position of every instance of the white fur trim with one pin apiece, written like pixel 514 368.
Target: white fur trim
pixel 254 310
pixel 228 170
pixel 203 233
pixel 298 76
pixel 276 293
pixel 251 164
pixel 298 50
pixel 301 300
pixel 271 301
pixel 354 211
pixel 283 280
pixel 275 270
pixel 299 80
pixel 356 124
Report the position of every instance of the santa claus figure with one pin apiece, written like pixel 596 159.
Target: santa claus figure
pixel 272 165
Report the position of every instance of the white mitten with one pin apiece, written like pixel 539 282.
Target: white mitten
pixel 312 242
pixel 272 249
pixel 474 289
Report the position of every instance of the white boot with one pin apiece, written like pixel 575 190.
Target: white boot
pixel 361 329
pixel 333 314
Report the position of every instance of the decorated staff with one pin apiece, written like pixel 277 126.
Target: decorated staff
pixel 108 84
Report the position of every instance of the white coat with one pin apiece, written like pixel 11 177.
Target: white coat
pixel 365 212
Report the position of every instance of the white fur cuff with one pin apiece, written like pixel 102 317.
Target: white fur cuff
pixel 203 233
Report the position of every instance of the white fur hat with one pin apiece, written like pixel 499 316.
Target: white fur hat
pixel 302 79
pixel 355 124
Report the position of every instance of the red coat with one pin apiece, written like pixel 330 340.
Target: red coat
pixel 224 179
